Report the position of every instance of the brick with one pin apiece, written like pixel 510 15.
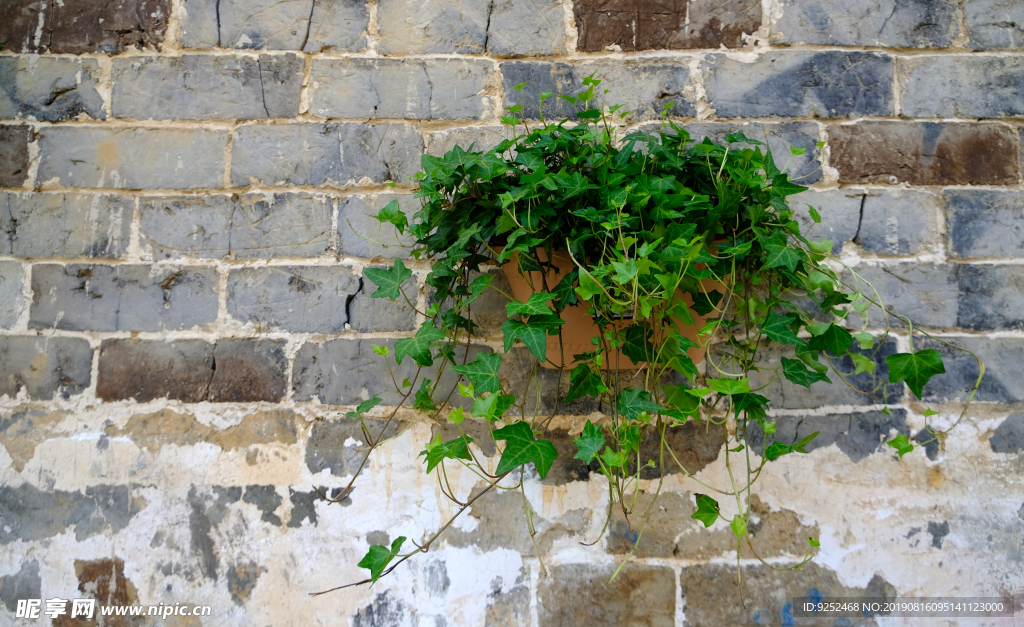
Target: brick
pixel 250 226
pixel 642 88
pixel 962 86
pixel 991 297
pixel 14 159
pixel 31 514
pixel 803 169
pixel 315 154
pixel 361 235
pixel 128 297
pixel 676 24
pixel 203 87
pixel 78 156
pixel 857 434
pixel 445 89
pixel 885 23
pixel 481 138
pixel 77 26
pixel 831 84
pixel 432 26
pixel 1008 437
pixel 49 90
pixel 340 445
pixel 341 26
pixel 1002 358
pixel 992 24
pixel 313 299
pixel 985 223
pixel 526 28
pixel 192 371
pixel 924 292
pixel 58 225
pixel 12 301
pixel 925 153
pixel 44 366
pixel 580 594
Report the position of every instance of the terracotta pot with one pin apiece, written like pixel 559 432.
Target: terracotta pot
pixel 579 326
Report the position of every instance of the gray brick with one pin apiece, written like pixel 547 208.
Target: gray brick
pixel 994 24
pixel 44 366
pixel 642 88
pixel 985 223
pixel 430 26
pixel 77 26
pixel 886 23
pixel 671 24
pixel 830 84
pixel 78 156
pixel 1002 358
pixel 12 301
pixel 199 28
pixel 48 225
pixel 803 169
pixel 315 154
pixel 526 28
pixel 313 299
pixel 991 297
pixel 431 89
pixel 481 138
pixel 14 160
pixel 203 87
pixel 340 25
pixel 80 297
pixel 250 226
pixel 269 24
pixel 49 89
pixel 839 210
pixel 924 292
pixel 857 434
pixel 361 235
pixel 962 86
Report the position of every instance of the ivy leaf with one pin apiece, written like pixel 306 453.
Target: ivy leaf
pixel 729 386
pixel 707 510
pixel 614 459
pixel 492 406
pixel 423 401
pixel 777 450
pixel 521 447
pixel 534 337
pixel 391 213
pixel 482 371
pixel 739 526
pixel 452 449
pixel 778 327
pixel 389 282
pixel 379 556
pixel 915 368
pixel 418 347
pixel 364 407
pixel 584 382
pixel 589 443
pixel 537 304
pixel 865 339
pixel 834 339
pixel 588 287
pixel 755 405
pixel 564 292
pixel 863 363
pixel 703 304
pixel 901 444
pixel 798 373
pixel 782 256
pixel 635 401
pixel 637 345
pixel 814 214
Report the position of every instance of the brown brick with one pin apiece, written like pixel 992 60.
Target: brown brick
pixel 77 26
pixel 925 153
pixel 248 370
pixel 14 154
pixel 650 25
pixel 580 594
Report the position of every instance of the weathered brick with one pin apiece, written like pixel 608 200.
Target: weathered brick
pixel 1002 358
pixel 430 89
pixel 192 371
pixel 78 156
pixel 12 301
pixel 857 434
pixel 49 89
pixel 925 153
pixel 315 154
pixel 250 226
pixel 432 26
pixel 31 514
pixel 203 87
pixel 14 155
pixel 340 445
pixel 45 225
pixel 991 297
pixel 77 26
pixel 962 86
pixel 924 292
pixel 642 88
pixel 886 23
pixel 831 84
pixel 676 24
pixel 994 24
pixel 1008 437
pixel 803 169
pixel 44 366
pixel 526 28
pixel 361 235
pixel 313 299
pixel 580 594
pixel 80 297
pixel 481 138
pixel 985 223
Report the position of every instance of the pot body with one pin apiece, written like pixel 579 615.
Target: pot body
pixel 579 326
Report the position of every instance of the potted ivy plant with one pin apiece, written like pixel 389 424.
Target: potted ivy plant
pixel 652 248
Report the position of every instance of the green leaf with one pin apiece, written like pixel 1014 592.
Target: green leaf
pixel 729 386
pixel 482 371
pixel 423 401
pixel 534 337
pixel 755 405
pixel 930 412
pixel 799 446
pixel 798 373
pixel 584 382
pixel 364 407
pixel 635 401
pixel 521 447
pixel 452 449
pixel 865 339
pixel 614 459
pixel 863 363
pixel 703 304
pixel 418 347
pixel 834 339
pixel 915 368
pixel 901 444
pixel 777 450
pixel 383 351
pixel 779 328
pixel 536 304
pixel 637 345
pixel 588 287
pixel 457 416
pixel 391 213
pixel 797 151
pixel 389 282
pixel 378 557
pixel 782 256
pixel 824 247
pixel 813 542
pixel 707 510
pixel 814 214
pixel 738 525
pixel 492 406
pixel 589 443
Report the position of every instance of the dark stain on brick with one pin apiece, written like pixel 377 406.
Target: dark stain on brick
pixel 927 439
pixel 241 581
pixel 31 514
pixel 938 531
pixel 925 153
pixel 24 584
pixel 303 507
pixel 667 24
pixel 266 499
pixel 77 26
pixel 326 445
pixel 105 581
pixel 14 159
pixel 984 223
pixel 857 434
pixel 249 370
pixel 1009 435
pixel 385 609
pixel 437 578
pixel 207 511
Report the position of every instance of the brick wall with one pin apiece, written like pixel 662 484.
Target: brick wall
pixel 183 314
